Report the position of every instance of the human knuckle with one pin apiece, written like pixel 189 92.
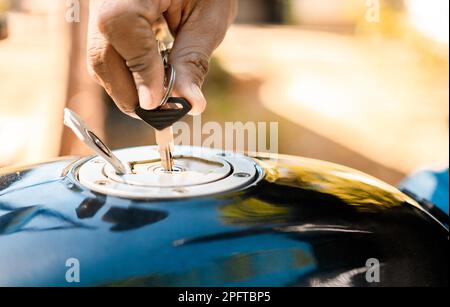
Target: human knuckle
pixel 139 63
pixel 96 59
pixel 120 15
pixel 110 18
pixel 104 19
pixel 199 60
pixel 198 63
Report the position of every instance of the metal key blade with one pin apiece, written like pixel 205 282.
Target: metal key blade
pixel 82 131
pixel 164 139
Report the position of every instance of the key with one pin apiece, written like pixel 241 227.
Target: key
pixel 170 110
pixel 82 131
pixel 164 139
pixel 162 119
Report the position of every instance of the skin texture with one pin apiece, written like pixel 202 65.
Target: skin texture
pixel 123 52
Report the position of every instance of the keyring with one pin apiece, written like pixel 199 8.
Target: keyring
pixel 169 72
pixel 170 76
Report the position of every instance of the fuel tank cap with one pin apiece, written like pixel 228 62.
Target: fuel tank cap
pixel 197 172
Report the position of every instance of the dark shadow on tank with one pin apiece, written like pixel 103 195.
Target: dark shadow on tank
pixel 90 206
pixel 7 180
pixel 123 219
pixel 132 218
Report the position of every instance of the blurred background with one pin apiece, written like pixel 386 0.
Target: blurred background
pixel 363 83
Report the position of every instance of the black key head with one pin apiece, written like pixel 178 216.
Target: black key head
pixel 166 115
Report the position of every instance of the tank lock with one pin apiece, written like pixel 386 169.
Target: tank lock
pixel 197 172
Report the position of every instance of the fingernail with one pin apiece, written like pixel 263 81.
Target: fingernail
pixel 145 97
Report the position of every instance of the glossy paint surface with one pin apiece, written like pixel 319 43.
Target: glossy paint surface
pixel 306 223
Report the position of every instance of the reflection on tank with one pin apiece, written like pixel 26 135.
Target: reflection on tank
pixel 293 202
pixel 90 206
pixel 39 218
pixel 132 218
pixel 123 219
pixel 351 186
pixel 35 218
pixel 235 269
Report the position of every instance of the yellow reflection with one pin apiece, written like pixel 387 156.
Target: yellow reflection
pixel 253 211
pixel 353 187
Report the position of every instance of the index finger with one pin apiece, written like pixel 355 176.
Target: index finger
pixel 128 27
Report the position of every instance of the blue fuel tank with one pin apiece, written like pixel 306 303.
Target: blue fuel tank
pixel 220 219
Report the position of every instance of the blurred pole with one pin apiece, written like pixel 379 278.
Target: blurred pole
pixel 262 11
pixel 84 96
pixel 4 6
pixel 33 79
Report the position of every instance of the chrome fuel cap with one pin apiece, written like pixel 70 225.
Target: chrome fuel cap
pixel 197 172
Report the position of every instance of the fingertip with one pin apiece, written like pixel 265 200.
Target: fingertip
pixel 198 100
pixel 197 109
pixel 146 99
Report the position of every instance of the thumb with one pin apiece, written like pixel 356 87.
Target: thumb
pixel 191 69
pixel 195 40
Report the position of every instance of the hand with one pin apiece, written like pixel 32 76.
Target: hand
pixel 123 53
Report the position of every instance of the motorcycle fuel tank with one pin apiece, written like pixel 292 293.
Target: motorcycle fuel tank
pixel 219 219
